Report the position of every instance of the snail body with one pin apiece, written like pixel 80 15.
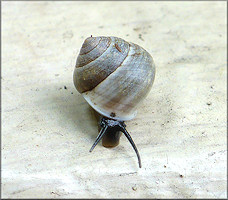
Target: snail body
pixel 113 76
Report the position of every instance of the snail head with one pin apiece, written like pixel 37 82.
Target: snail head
pixel 114 126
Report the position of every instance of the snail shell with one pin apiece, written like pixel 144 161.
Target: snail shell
pixel 114 76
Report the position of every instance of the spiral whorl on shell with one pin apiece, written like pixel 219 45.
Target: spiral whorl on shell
pixel 113 76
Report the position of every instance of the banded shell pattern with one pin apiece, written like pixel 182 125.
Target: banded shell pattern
pixel 114 76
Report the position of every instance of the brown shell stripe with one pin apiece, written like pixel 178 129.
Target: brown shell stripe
pixel 126 76
pixel 89 77
pixel 101 80
pixel 96 52
pixel 85 45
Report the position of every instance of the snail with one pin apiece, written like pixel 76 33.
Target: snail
pixel 113 76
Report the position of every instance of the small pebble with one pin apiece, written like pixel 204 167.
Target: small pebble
pixel 134 188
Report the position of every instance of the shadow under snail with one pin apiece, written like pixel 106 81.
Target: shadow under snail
pixel 113 76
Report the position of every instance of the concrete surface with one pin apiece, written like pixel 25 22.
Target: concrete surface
pixel 180 129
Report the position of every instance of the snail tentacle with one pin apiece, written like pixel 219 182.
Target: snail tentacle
pixel 99 137
pixel 124 130
pixel 114 125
